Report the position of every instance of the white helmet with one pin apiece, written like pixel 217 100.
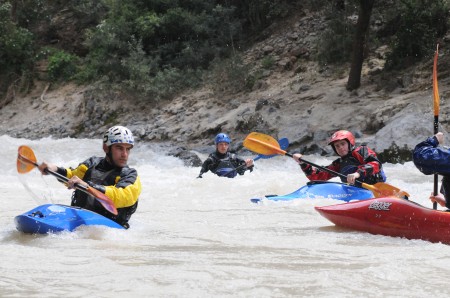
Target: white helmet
pixel 118 135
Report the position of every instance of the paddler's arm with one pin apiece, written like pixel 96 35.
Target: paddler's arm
pixel 439 198
pixel 205 167
pixel 44 166
pixel 249 164
pixel 431 159
pixel 439 137
pixel 311 172
pixel 243 165
pixel 126 191
pixel 444 197
pixel 351 178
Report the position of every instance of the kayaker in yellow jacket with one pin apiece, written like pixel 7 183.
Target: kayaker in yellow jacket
pixel 110 175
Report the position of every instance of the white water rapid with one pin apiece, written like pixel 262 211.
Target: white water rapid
pixel 204 238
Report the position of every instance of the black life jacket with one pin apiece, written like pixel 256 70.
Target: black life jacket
pixel 224 165
pixel 349 164
pixel 102 177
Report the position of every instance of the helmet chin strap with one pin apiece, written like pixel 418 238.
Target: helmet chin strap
pixel 109 157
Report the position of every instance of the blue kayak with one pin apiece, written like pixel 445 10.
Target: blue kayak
pixel 322 190
pixel 51 218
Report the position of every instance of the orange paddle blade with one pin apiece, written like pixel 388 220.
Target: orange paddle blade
pixel 435 84
pixel 26 160
pixel 262 144
pixel 382 189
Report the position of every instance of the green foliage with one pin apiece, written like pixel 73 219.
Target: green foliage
pixel 29 12
pixel 171 81
pixel 16 44
pixel 421 22
pixel 147 25
pixel 267 62
pixel 154 47
pixel 258 14
pixel 61 66
pixel 139 43
pixel 230 75
pixel 335 43
pixel 143 75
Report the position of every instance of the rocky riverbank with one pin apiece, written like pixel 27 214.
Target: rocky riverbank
pixel 296 98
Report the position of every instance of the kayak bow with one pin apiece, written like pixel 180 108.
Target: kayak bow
pixel 391 216
pixel 52 218
pixel 322 190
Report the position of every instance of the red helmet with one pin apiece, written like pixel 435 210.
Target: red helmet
pixel 342 135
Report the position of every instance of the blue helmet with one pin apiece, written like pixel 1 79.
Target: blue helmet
pixel 222 138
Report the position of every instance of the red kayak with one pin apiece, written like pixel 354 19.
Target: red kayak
pixel 391 216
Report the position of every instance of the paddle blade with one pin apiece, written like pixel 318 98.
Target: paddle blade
pixel 103 199
pixel 284 144
pixel 435 84
pixel 26 160
pixel 382 189
pixel 262 144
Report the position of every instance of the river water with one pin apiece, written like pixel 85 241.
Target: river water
pixel 204 238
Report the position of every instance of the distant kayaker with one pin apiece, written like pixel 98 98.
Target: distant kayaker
pixel 109 175
pixel 431 159
pixel 357 163
pixel 224 163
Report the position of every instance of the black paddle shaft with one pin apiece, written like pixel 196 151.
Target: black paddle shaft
pixel 321 168
pixel 435 177
pixel 57 175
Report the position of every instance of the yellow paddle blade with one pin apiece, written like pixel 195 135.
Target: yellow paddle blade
pixel 262 144
pixel 382 189
pixel 26 160
pixel 435 84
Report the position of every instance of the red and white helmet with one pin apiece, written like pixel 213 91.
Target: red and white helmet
pixel 342 135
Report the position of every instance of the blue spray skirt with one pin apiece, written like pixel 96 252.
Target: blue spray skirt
pixel 51 218
pixel 322 190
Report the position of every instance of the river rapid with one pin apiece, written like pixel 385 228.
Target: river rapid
pixel 204 238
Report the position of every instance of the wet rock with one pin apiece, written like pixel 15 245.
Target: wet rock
pixel 189 158
pixel 395 154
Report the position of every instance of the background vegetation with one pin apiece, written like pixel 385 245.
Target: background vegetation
pixel 156 48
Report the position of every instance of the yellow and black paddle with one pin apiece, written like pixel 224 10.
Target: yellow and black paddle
pixel 26 161
pixel 436 114
pixel 265 144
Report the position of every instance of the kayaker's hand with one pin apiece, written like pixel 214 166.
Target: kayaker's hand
pixel 44 166
pixel 351 178
pixel 249 162
pixel 75 180
pixel 439 198
pixel 440 137
pixel 297 157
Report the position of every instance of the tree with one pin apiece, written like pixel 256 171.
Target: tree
pixel 359 44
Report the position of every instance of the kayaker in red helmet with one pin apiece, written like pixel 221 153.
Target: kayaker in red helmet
pixel 431 159
pixel 357 163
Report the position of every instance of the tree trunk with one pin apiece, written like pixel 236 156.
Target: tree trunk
pixel 359 44
pixel 13 11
